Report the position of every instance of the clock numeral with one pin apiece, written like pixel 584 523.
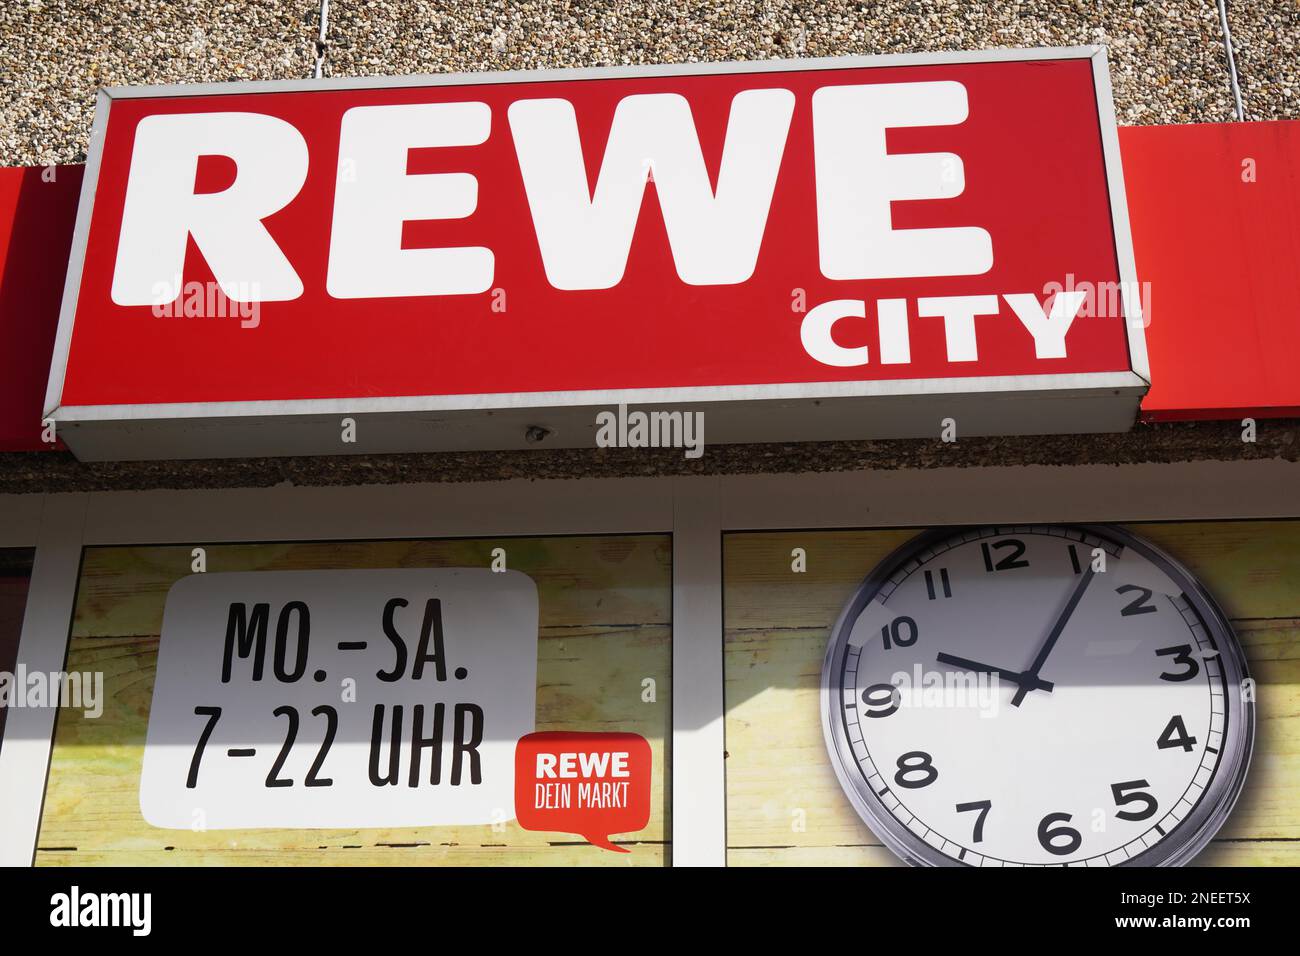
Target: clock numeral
pixel 983 806
pixel 1074 559
pixel 913 762
pixel 1048 834
pixel 892 633
pixel 881 699
pixel 1012 560
pixel 944 584
pixel 1175 735
pixel 1121 799
pixel 1182 654
pixel 1139 604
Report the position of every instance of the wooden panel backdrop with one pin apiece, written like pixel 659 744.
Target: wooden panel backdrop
pixel 605 626
pixel 784 805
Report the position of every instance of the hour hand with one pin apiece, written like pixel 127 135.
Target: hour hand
pixel 1020 679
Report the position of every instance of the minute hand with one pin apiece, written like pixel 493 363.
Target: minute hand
pixel 1052 638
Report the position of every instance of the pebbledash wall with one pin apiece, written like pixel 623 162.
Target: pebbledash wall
pixel 1167 59
pixel 689 559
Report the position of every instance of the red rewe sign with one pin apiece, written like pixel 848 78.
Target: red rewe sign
pixel 808 249
pixel 592 784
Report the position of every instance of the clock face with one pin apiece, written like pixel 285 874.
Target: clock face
pixel 1036 696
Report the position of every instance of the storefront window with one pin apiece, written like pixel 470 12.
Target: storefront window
pixel 362 702
pixel 789 801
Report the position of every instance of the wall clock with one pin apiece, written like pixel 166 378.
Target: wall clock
pixel 1037 695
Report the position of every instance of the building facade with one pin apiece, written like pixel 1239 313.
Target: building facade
pixel 360 632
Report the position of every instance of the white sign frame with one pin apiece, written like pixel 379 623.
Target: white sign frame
pixel 990 405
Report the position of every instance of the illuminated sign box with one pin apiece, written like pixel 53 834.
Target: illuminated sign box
pixel 820 249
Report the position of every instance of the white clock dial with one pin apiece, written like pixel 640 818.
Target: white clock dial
pixel 1036 696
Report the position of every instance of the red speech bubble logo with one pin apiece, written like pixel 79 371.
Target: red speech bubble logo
pixel 592 784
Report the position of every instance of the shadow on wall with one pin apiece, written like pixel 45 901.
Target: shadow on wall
pixel 15 576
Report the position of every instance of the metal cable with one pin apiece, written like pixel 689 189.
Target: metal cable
pixel 321 42
pixel 1232 61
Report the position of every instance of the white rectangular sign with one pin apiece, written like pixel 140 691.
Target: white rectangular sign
pixel 350 699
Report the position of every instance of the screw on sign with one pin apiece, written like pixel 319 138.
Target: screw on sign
pixel 592 784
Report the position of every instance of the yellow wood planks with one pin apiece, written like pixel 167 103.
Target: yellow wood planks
pixel 605 628
pixel 784 805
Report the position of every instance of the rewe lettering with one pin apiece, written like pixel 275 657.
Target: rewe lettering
pixel 584 230
pixel 570 764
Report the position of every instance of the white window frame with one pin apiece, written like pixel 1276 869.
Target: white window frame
pixel 697 511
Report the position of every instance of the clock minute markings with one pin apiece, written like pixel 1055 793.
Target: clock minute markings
pixel 1180 663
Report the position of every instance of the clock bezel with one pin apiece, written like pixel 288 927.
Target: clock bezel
pixel 1184 841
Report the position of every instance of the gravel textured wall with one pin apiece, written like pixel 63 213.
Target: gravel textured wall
pixel 1167 57
pixel 1167 63
pixel 1146 444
